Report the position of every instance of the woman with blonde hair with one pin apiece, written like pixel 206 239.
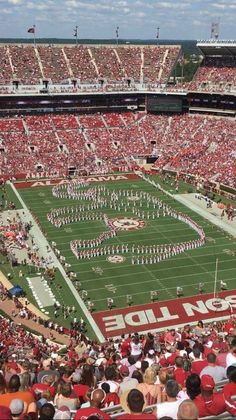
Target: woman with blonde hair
pixel 150 390
pixel 164 375
pixel 25 381
pixel 66 397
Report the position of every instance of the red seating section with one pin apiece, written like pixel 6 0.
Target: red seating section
pixel 215 74
pixel 87 63
pixel 198 144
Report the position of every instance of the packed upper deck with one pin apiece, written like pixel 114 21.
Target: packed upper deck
pixel 30 65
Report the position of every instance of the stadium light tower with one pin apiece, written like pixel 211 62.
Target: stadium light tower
pixel 158 34
pixel 117 35
pixel 76 34
pixel 215 30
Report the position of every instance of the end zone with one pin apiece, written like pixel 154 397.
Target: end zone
pixel 161 315
pixel 61 181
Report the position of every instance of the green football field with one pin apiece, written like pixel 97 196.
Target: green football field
pixel 103 279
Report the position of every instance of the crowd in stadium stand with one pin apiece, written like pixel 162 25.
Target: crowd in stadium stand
pixel 48 145
pixel 215 74
pixel 193 368
pixel 31 65
pixel 107 68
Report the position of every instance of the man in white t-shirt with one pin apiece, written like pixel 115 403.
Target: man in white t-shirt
pixel 170 407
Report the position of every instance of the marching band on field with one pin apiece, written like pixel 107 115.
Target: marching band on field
pixel 100 197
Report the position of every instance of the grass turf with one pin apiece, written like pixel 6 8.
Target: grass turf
pixel 118 280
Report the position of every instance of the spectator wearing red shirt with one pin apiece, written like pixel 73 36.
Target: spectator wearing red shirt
pixel 229 326
pixel 210 403
pixel 86 382
pixel 45 385
pixel 125 348
pixel 179 372
pixel 111 397
pixel 171 337
pixel 97 398
pixel 229 389
pixel 171 359
pixel 220 350
pixel 198 363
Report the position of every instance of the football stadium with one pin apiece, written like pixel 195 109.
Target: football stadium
pixel 117 231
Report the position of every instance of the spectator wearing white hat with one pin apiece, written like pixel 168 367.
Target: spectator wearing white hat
pixel 17 408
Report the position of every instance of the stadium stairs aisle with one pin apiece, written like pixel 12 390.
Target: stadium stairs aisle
pixel 8 307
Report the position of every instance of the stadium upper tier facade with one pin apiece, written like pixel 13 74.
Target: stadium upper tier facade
pixel 126 66
pixel 32 69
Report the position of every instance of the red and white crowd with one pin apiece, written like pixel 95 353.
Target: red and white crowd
pixel 192 370
pixel 41 146
pixel 30 65
pixel 215 74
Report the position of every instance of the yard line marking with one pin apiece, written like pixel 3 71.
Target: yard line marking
pixel 160 290
pixel 157 265
pixel 165 278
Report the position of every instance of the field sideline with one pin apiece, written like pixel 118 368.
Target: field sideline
pixel 103 279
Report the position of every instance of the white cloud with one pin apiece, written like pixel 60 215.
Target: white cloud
pixel 15 2
pixel 136 18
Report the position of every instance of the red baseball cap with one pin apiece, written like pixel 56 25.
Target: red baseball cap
pixel 124 370
pixel 207 383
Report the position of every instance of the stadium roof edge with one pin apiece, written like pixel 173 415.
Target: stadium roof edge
pixel 213 47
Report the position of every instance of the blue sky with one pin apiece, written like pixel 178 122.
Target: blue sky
pixel 177 19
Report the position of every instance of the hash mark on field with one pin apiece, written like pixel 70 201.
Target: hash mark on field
pixel 68 230
pixel 98 270
pixel 209 239
pixel 111 288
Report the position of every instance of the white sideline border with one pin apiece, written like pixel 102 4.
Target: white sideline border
pixel 40 238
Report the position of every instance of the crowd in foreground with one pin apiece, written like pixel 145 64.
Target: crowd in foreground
pixel 175 373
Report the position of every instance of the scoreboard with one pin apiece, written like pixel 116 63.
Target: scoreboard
pixel 160 103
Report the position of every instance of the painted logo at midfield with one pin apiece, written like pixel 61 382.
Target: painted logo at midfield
pixel 116 259
pixel 126 223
